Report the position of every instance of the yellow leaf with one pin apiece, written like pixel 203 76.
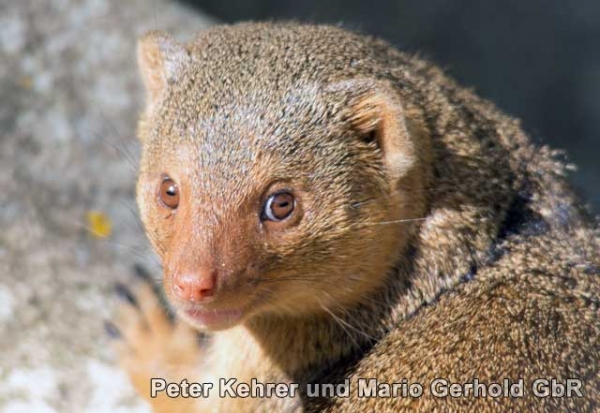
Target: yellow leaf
pixel 99 224
pixel 26 82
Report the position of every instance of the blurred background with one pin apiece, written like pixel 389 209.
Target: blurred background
pixel 68 154
pixel 537 60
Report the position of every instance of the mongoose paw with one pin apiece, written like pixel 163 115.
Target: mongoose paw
pixel 149 341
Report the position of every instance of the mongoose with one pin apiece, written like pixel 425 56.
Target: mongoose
pixel 330 210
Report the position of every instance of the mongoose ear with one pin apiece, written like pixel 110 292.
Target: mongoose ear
pixel 376 113
pixel 161 61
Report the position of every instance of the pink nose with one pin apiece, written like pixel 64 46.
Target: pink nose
pixel 195 286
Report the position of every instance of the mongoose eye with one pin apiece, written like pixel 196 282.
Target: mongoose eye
pixel 278 206
pixel 168 193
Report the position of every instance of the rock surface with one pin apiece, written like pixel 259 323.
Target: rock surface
pixel 70 98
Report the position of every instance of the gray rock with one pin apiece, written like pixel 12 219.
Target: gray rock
pixel 70 98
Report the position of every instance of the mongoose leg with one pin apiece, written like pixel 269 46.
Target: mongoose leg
pixel 150 344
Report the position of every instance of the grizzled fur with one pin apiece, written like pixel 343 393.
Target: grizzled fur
pixel 474 259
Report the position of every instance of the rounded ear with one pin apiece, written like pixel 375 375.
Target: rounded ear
pixel 374 110
pixel 161 60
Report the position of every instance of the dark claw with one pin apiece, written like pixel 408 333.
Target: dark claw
pixel 202 339
pixel 125 294
pixel 112 330
pixel 141 272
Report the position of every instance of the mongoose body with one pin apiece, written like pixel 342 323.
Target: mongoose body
pixel 329 208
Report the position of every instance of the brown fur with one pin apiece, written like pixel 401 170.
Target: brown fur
pixel 433 239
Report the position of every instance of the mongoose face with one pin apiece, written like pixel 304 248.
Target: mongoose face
pixel 268 191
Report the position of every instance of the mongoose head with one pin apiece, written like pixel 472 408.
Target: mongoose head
pixel 280 174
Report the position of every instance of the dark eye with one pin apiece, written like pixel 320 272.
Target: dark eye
pixel 278 206
pixel 168 193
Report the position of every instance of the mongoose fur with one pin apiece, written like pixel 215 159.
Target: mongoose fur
pixel 430 238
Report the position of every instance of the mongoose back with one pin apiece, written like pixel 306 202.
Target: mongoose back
pixel 330 210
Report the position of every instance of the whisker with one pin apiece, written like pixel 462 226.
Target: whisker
pixel 119 149
pixel 134 213
pixel 358 204
pixel 341 324
pixel 294 278
pixel 137 252
pixel 348 314
pixel 396 221
pixel 124 148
